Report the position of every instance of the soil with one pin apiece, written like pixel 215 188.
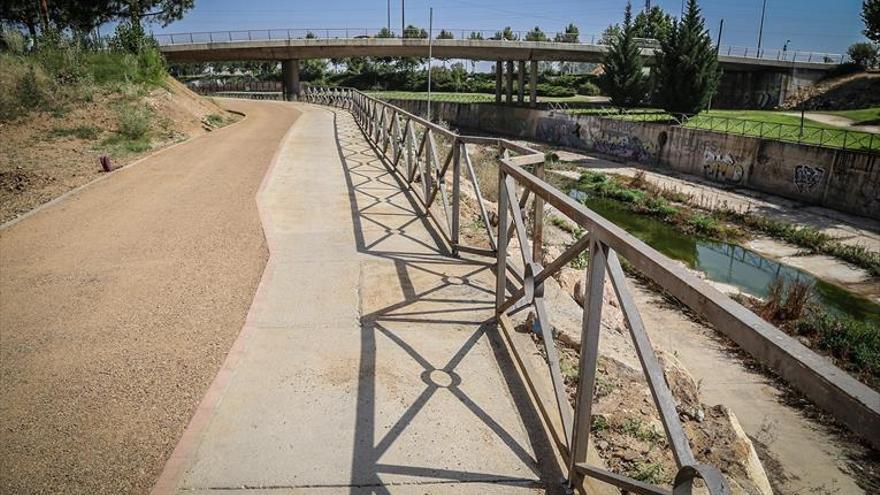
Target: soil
pixel 40 159
pixel 119 305
pixel 852 91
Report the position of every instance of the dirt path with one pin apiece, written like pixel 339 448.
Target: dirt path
pixel 836 121
pixel 119 304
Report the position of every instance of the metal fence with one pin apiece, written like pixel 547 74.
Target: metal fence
pixel 474 34
pixel 409 145
pixel 432 161
pixel 845 139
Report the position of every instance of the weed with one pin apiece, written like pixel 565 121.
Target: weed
pixel 636 428
pixel 134 121
pixel 856 344
pixel 600 423
pixel 84 131
pixel 214 120
pixel 648 472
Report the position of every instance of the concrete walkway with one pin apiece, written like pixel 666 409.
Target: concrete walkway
pixel 368 362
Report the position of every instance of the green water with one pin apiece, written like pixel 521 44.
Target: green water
pixel 729 263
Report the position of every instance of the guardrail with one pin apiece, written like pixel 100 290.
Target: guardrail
pixel 844 139
pixel 473 34
pixel 409 146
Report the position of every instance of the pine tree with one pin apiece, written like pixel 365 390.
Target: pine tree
pixel 687 65
pixel 623 79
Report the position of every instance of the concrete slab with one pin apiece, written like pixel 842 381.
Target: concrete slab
pixel 367 364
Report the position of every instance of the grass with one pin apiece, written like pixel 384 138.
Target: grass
pixel 82 131
pixel 215 120
pixel 767 123
pixel 863 116
pixel 647 202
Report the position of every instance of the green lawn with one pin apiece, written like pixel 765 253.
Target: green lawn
pixel 861 116
pixel 767 123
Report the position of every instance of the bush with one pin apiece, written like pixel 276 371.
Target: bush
pixel 29 92
pixel 589 89
pixel 12 41
pixel 545 89
pixel 134 121
pixel 863 54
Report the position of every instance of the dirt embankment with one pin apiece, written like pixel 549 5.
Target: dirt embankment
pixel 45 154
pixel 852 91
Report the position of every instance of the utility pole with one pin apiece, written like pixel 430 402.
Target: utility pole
pixel 717 51
pixel 647 5
pixel 403 18
pixel 389 16
pixel 761 28
pixel 430 54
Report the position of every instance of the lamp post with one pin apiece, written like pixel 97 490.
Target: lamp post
pixel 430 54
pixel 761 28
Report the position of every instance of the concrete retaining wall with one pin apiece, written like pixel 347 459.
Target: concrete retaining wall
pixel 847 181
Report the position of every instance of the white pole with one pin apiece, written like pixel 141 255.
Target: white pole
pixel 430 54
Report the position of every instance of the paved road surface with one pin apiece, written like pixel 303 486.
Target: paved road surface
pixel 119 304
pixel 368 363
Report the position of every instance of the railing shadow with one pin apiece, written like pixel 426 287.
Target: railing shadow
pixel 427 275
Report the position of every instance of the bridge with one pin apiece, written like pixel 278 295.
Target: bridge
pixel 763 68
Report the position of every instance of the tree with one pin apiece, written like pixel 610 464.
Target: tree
pixel 687 65
pixel 385 33
pixel 84 15
pixel 652 24
pixel 871 16
pixel 445 35
pixel 536 35
pixel 505 34
pixel 623 79
pixel 610 34
pixel 863 54
pixel 570 35
pixel 162 11
pixel 475 35
pixel 414 32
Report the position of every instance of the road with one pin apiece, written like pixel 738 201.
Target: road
pixel 119 304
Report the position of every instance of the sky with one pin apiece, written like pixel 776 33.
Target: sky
pixel 810 25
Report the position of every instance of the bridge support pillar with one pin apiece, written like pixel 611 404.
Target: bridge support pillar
pixel 508 93
pixel 499 69
pixel 290 79
pixel 521 82
pixel 533 83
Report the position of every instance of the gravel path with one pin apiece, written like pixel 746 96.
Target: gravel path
pixel 118 305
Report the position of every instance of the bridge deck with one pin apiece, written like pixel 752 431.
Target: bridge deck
pixel 368 363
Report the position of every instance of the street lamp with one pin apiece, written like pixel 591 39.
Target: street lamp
pixel 761 29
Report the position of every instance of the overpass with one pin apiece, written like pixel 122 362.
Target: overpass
pixel 762 67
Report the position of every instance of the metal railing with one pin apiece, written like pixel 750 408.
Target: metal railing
pixel 473 34
pixel 845 139
pixel 409 146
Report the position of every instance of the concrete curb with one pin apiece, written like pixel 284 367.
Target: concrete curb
pixel 106 176
pixel 191 437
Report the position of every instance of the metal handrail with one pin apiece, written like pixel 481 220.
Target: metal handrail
pixel 809 134
pixel 745 52
pixel 407 145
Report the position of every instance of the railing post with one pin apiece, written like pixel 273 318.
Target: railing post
pixel 456 194
pixel 538 220
pixel 583 408
pixel 501 265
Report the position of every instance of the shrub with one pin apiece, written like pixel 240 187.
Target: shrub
pixel 88 132
pixel 589 89
pixel 134 121
pixel 12 41
pixel 855 343
pixel 863 54
pixel 29 92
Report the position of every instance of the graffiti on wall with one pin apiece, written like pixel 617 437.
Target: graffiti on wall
pixel 806 178
pixel 626 147
pixel 722 167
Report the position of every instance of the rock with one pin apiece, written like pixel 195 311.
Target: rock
pixel 602 445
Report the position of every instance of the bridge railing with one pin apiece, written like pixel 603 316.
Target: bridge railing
pixel 434 172
pixel 165 39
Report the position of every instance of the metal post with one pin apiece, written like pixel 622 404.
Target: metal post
pixel 761 29
pixel 430 54
pixel 456 194
pixel 583 409
pixel 501 265
pixel 403 18
pixel 538 220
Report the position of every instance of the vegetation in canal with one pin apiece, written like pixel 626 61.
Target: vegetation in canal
pixel 853 344
pixel 680 210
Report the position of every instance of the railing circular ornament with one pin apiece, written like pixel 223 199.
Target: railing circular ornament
pixel 715 482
